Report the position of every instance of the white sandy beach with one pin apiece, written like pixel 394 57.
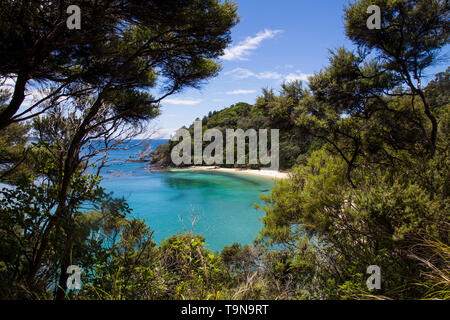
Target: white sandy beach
pixel 261 173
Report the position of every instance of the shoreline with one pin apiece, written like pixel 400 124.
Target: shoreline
pixel 277 175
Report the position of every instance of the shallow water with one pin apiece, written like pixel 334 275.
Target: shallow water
pixel 222 201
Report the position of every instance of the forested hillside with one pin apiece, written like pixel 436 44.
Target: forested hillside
pixel 272 110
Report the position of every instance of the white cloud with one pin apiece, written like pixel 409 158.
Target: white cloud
pixel 241 73
pixel 182 101
pixel 34 92
pixel 297 76
pixel 269 75
pixel 240 91
pixel 164 133
pixel 8 83
pixel 242 50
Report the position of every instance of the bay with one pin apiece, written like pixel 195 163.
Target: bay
pixel 168 201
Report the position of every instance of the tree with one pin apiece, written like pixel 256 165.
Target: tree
pixel 121 44
pixel 377 188
pixel 170 44
pixel 26 209
pixel 411 36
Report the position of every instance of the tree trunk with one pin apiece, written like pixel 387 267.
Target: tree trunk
pixel 66 261
pixel 16 100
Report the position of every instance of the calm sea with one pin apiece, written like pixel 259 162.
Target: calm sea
pixel 168 201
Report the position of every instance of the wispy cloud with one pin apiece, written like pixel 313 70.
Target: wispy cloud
pixel 243 48
pixel 34 92
pixel 182 101
pixel 240 91
pixel 165 133
pixel 269 75
pixel 297 76
pixel 242 73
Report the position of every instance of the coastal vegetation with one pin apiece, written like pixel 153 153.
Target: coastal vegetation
pixel 269 111
pixel 366 143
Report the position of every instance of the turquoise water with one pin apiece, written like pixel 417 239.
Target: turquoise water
pixel 222 201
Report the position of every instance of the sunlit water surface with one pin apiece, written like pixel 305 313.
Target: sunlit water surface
pixel 167 201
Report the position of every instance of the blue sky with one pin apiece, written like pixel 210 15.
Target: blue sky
pixel 275 41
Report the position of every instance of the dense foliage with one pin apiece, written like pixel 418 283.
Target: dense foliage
pixel 91 91
pixel 366 144
pixel 271 111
